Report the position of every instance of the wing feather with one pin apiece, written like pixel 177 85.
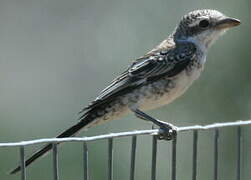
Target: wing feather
pixel 167 62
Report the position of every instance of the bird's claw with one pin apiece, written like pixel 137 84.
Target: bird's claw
pixel 167 132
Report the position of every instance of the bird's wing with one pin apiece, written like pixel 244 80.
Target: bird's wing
pixel 166 62
pixel 159 63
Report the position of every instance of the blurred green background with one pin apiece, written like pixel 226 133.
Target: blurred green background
pixel 56 56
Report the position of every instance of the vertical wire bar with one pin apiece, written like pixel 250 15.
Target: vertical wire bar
pixel 55 161
pixel 110 159
pixel 195 147
pixel 174 145
pixel 22 163
pixel 86 174
pixel 238 173
pixel 133 154
pixel 154 157
pixel 216 152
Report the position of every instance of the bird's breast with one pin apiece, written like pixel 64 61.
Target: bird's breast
pixel 149 96
pixel 166 90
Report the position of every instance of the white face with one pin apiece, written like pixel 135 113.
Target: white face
pixel 207 27
pixel 209 35
pixel 206 38
pixel 203 27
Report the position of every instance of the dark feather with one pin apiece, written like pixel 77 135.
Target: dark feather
pixel 166 62
pixel 67 133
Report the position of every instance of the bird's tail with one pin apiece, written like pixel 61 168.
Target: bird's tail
pixel 67 133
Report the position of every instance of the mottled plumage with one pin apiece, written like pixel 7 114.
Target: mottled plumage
pixel 149 78
pixel 157 78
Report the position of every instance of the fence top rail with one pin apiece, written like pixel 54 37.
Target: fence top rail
pixel 124 134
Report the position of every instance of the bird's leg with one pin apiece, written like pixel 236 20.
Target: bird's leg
pixel 168 130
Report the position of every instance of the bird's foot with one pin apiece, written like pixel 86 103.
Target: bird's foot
pixel 167 130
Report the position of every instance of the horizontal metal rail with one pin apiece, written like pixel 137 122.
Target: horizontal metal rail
pixel 124 134
pixel 196 130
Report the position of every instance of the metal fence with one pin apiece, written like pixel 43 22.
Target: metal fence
pixel 134 134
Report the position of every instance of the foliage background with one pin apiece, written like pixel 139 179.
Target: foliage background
pixel 56 55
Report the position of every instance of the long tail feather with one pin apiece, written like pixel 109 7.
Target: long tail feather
pixel 67 133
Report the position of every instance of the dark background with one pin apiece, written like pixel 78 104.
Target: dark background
pixel 56 56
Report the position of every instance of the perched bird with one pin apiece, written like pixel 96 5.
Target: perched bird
pixel 157 78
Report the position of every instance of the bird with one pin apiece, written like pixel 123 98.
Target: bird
pixel 155 79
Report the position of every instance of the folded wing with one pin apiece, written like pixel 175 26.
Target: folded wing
pixel 164 62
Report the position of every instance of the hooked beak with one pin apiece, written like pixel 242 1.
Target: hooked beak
pixel 227 23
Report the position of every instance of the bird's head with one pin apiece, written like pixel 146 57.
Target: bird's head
pixel 203 27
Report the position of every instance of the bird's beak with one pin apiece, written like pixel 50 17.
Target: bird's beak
pixel 227 23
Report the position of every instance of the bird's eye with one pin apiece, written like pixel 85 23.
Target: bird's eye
pixel 204 23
